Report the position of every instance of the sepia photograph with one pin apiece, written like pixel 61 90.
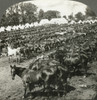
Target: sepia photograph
pixel 48 49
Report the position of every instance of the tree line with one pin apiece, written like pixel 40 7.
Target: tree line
pixel 27 13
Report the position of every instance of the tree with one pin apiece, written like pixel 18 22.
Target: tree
pixel 70 18
pixel 20 13
pixel 31 18
pixel 3 20
pixel 90 13
pixel 30 11
pixel 65 17
pixel 40 15
pixel 51 14
pixel 79 16
pixel 13 19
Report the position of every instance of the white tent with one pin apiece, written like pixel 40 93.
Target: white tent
pixel 2 29
pixel 31 25
pixel 15 27
pixel 21 26
pixel 72 22
pixel 44 21
pixel 36 24
pixel 58 21
pixel 8 28
pixel 79 21
pixel 27 25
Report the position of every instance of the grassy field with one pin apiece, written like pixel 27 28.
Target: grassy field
pixel 78 87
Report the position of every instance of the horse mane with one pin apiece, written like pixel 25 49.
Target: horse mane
pixel 20 68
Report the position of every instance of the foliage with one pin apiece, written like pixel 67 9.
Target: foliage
pixel 71 50
pixel 89 13
pixel 51 14
pixel 79 16
pixel 30 11
pixel 4 21
pixel 40 15
pixel 70 18
pixel 20 13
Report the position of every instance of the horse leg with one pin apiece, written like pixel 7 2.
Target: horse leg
pixel 59 86
pixel 18 60
pixel 69 73
pixel 47 86
pixel 44 87
pixel 85 66
pixel 9 59
pixel 25 90
pixel 30 88
pixel 24 95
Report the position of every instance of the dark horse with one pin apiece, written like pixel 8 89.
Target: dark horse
pixel 75 63
pixel 29 77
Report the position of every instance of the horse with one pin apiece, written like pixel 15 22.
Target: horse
pixel 13 54
pixel 56 78
pixel 76 62
pixel 29 77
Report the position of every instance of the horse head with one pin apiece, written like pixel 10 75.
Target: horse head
pixel 8 47
pixel 13 71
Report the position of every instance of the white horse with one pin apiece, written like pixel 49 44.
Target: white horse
pixel 13 54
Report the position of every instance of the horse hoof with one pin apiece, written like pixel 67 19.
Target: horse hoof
pixel 23 98
pixel 85 76
pixel 30 97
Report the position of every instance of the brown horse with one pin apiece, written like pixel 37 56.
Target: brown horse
pixel 76 63
pixel 30 78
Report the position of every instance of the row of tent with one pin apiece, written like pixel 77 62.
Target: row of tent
pixel 27 25
pixel 43 22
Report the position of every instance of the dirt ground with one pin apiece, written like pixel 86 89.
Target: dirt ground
pixel 78 86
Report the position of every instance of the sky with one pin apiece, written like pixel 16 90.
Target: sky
pixel 65 7
pixel 4 4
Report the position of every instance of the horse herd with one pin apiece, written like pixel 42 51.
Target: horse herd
pixel 55 77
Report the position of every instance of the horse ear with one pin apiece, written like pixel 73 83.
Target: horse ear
pixel 10 66
pixel 14 66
